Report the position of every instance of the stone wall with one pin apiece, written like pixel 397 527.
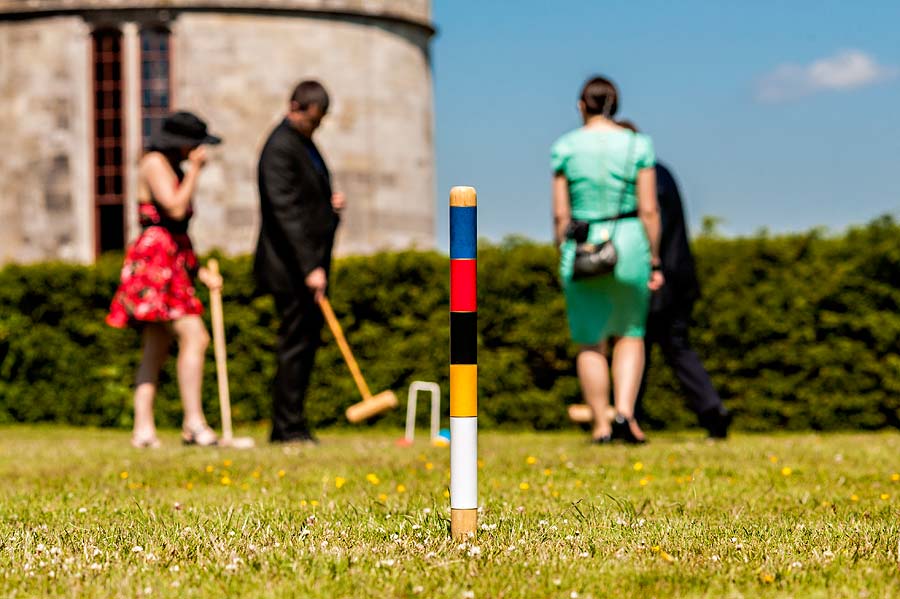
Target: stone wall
pixel 46 208
pixel 238 71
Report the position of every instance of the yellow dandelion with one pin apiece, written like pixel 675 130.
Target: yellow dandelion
pixel 656 549
pixel 256 474
pixel 227 463
pixel 644 482
pixel 578 483
pixel 767 578
pixel 281 473
pixel 826 504
pixel 429 466
pixel 786 471
pixel 225 480
pixel 401 488
pixel 666 557
pixel 895 477
pixel 446 494
pixel 885 496
pixel 854 497
pixel 189 486
pixel 303 503
pixel 209 468
pixel 382 497
pixel 245 486
pixel 547 472
pixel 134 485
pixel 372 478
pixel 524 486
pixel 638 466
pixel 555 493
pixel 314 503
pixel 339 481
pixel 679 480
pixel 123 475
pixel 531 460
pixel 773 458
pixel 481 463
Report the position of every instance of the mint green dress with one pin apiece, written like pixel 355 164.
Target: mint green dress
pixel 597 166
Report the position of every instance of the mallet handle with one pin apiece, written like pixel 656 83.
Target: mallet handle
pixel 218 326
pixel 335 327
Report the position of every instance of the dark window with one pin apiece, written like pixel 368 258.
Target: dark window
pixel 109 142
pixel 155 81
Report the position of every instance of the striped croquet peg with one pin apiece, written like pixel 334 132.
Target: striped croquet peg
pixel 463 364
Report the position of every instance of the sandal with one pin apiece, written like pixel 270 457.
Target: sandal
pixel 621 429
pixel 202 436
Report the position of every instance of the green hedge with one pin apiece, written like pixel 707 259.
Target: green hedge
pixel 798 331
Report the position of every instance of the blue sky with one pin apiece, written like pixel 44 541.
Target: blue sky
pixel 778 115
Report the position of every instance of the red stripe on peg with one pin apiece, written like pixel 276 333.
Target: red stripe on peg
pixel 463 286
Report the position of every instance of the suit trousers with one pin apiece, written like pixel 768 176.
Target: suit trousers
pixel 299 336
pixel 669 328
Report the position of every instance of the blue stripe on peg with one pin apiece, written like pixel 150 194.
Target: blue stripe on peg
pixel 463 233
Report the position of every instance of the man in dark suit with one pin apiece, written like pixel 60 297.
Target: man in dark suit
pixel 300 215
pixel 671 308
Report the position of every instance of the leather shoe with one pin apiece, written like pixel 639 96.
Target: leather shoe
pixel 716 421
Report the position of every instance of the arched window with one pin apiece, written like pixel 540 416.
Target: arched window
pixel 156 88
pixel 109 146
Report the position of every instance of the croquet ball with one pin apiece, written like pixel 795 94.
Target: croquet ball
pixel 440 441
pixel 445 433
pixel 403 442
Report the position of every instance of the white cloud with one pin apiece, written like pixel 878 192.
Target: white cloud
pixel 846 70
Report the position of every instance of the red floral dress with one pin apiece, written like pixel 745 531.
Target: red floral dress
pixel 157 283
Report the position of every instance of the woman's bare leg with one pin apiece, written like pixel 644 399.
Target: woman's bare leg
pixel 156 340
pixel 192 343
pixel 593 373
pixel 628 368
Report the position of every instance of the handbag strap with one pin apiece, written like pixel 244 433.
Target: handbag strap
pixel 619 215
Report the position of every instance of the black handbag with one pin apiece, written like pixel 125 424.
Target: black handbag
pixel 598 259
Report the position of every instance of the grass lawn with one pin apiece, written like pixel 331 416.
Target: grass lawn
pixel 800 515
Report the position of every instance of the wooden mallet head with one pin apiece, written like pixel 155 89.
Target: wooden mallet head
pixel 376 404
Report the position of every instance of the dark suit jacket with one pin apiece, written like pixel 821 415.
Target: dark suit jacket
pixel 298 222
pixel 681 286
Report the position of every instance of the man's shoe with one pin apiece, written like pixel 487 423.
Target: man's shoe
pixel 304 438
pixel 716 421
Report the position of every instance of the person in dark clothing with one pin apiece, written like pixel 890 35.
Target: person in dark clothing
pixel 671 308
pixel 300 215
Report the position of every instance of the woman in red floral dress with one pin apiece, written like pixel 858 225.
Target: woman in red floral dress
pixel 157 290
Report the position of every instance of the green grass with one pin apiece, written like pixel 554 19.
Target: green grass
pixel 798 515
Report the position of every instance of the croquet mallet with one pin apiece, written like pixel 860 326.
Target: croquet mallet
pixel 581 413
pixel 370 404
pixel 218 326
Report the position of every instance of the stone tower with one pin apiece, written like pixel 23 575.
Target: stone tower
pixel 82 82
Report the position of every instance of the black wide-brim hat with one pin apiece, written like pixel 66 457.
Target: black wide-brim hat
pixel 182 129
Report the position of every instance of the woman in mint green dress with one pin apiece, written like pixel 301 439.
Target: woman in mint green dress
pixel 604 179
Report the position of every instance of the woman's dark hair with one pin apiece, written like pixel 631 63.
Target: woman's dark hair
pixel 600 97
pixel 625 123
pixel 308 93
